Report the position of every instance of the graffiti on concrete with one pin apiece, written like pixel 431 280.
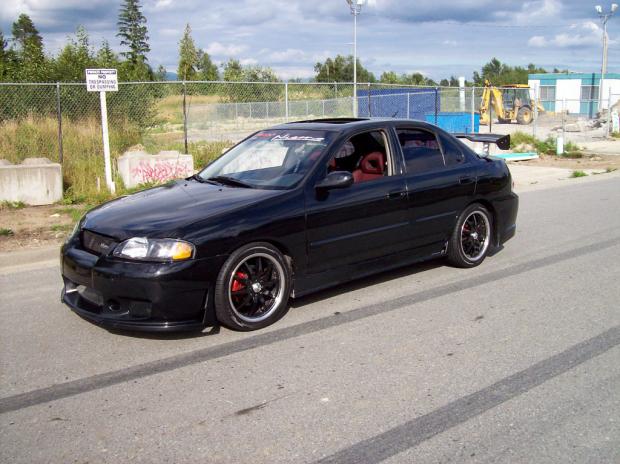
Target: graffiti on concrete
pixel 160 171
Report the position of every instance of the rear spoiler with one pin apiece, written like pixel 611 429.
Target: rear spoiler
pixel 502 141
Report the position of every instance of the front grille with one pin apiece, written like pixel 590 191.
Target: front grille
pixel 98 244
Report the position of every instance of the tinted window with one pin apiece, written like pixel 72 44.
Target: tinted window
pixel 421 150
pixel 452 152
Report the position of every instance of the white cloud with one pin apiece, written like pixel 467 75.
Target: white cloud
pixel 218 49
pixel 162 4
pixel 584 34
pixel 450 43
pixel 248 61
pixel 290 54
pixel 537 41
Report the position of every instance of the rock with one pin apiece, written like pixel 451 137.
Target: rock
pixel 5 162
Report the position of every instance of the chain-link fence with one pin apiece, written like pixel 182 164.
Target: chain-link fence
pixel 62 122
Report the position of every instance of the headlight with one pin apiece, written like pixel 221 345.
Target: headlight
pixel 149 249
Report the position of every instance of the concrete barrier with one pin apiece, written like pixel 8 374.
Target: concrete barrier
pixel 37 181
pixel 140 167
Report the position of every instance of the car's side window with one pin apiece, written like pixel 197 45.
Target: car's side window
pixel 421 150
pixel 453 155
pixel 366 156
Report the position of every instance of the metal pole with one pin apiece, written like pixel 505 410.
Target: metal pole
pixel 286 101
pixel 59 115
pixel 609 121
pixel 408 104
pixel 436 104
pixel 106 142
pixel 185 117
pixel 603 67
pixel 473 109
pixel 355 65
pixel 369 108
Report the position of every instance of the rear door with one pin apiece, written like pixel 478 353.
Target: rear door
pixel 364 221
pixel 441 181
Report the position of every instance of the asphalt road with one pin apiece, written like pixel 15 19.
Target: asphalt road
pixel 517 360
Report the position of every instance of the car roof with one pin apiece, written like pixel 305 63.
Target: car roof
pixel 347 124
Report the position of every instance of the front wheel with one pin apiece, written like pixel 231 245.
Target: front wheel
pixel 471 238
pixel 253 288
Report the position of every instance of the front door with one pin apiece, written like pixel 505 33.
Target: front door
pixel 365 221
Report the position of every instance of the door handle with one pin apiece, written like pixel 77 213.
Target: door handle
pixel 466 180
pixel 396 195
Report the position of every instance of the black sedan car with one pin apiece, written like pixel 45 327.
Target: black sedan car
pixel 288 211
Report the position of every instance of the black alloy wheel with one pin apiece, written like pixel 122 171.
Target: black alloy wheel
pixel 471 238
pixel 253 288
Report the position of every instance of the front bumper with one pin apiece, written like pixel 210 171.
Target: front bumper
pixel 126 295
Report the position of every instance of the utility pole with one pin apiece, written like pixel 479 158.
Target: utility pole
pixel 356 9
pixel 604 17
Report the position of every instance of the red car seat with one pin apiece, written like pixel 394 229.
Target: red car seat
pixel 371 167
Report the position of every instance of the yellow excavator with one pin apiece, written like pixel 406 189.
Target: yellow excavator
pixel 508 103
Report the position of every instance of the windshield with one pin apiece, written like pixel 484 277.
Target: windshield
pixel 275 159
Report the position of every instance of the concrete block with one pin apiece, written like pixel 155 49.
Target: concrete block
pixel 140 167
pixel 4 162
pixel 34 183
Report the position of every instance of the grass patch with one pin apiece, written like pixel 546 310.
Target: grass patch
pixel 6 232
pixel 576 174
pixel 12 205
pixel 521 142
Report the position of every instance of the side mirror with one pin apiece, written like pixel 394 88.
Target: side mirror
pixel 336 180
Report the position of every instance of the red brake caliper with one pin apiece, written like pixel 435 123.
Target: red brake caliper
pixel 236 285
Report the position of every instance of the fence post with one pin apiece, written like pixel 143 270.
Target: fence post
pixel 408 104
pixel 336 89
pixel 59 115
pixel 286 101
pixel 266 110
pixel 185 117
pixel 436 104
pixel 473 110
pixel 323 102
pixel 609 119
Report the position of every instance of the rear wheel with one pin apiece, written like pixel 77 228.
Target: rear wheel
pixel 471 238
pixel 253 288
pixel 525 115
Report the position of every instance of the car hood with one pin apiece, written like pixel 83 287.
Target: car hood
pixel 164 211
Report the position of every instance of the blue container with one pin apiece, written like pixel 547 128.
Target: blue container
pixel 455 122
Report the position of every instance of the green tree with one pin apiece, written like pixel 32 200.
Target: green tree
pixel 106 58
pixel 74 58
pixel 7 60
pixel 133 34
pixel 207 69
pixel 30 57
pixel 498 73
pixel 188 57
pixel 233 71
pixel 389 77
pixel 340 69
pixel 161 73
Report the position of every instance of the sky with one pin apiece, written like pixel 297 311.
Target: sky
pixel 438 38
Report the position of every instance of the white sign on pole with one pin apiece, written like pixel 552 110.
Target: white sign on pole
pixel 102 81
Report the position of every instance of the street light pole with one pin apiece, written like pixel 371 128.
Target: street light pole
pixel 604 18
pixel 356 9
